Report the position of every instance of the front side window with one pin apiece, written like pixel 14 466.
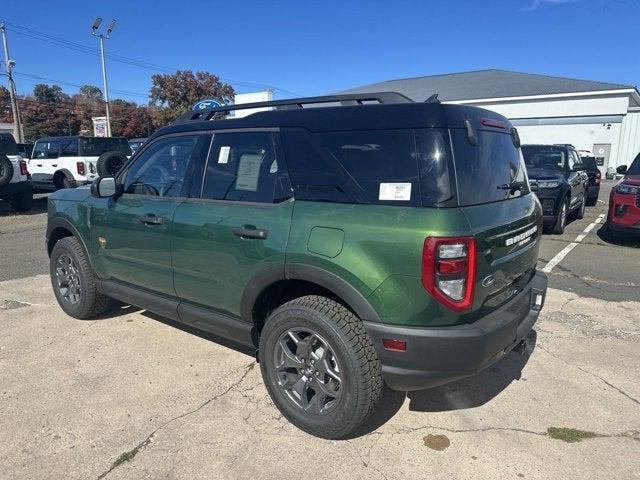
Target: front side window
pixel 45 149
pixel 243 166
pixel 161 169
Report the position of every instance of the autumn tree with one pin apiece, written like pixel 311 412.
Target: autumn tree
pixel 5 105
pixel 49 112
pixel 128 119
pixel 88 103
pixel 174 94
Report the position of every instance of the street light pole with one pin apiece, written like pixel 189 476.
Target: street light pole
pixel 102 37
pixel 17 125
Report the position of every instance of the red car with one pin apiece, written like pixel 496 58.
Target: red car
pixel 624 202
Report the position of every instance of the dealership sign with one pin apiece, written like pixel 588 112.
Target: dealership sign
pixel 206 104
pixel 99 126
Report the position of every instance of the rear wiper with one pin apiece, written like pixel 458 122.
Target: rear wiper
pixel 512 187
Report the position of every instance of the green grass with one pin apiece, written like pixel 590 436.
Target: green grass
pixel 570 435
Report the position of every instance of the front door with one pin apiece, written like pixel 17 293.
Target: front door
pixel 44 162
pixel 236 227
pixel 132 231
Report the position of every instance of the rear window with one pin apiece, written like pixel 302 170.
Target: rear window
pixel 94 147
pixel 389 167
pixel 589 163
pixel 486 171
pixel 8 144
pixel 547 157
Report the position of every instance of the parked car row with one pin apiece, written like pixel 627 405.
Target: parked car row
pixel 53 163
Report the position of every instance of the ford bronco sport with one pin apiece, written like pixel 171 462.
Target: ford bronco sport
pixel 370 240
pixel 15 181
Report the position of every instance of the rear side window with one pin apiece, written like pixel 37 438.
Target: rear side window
pixel 486 171
pixel 96 146
pixel 8 144
pixel 390 167
pixel 69 147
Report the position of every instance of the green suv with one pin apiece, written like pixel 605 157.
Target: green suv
pixel 369 240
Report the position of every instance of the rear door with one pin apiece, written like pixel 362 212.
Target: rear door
pixel 503 220
pixel 236 226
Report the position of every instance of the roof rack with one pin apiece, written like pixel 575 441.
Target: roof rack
pixel 297 103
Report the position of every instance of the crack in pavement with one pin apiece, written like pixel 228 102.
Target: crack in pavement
pixel 130 454
pixel 606 382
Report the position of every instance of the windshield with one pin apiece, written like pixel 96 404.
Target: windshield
pixel 634 169
pixel 547 157
pixel 94 147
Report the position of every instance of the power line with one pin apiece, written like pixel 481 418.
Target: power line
pixel 78 47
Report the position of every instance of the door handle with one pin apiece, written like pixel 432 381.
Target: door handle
pixel 39 164
pixel 248 231
pixel 151 219
pixel 54 165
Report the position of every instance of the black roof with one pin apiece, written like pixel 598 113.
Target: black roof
pixel 480 84
pixel 67 137
pixel 348 117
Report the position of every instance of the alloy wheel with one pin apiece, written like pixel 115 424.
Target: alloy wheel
pixel 68 279
pixel 308 371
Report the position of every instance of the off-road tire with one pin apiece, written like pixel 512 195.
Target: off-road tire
pixel 362 382
pixel 6 170
pixel 92 302
pixel 561 221
pixel 109 163
pixel 23 201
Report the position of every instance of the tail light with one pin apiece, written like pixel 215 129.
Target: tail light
pixel 449 269
pixel 23 168
pixel 81 168
pixel 598 177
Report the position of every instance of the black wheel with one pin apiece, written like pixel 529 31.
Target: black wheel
pixel 6 170
pixel 22 202
pixel 109 163
pixel 320 366
pixel 561 220
pixel 74 282
pixel 580 211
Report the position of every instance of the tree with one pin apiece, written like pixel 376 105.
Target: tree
pixel 6 114
pixel 129 119
pixel 88 103
pixel 49 112
pixel 174 94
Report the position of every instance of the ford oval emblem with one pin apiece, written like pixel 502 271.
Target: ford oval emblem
pixel 488 281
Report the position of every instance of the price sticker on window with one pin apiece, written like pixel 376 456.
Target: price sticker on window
pixel 395 191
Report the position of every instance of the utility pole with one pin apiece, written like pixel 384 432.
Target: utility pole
pixel 17 125
pixel 102 37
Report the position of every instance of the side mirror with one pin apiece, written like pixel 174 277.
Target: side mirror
pixel 104 187
pixel 622 169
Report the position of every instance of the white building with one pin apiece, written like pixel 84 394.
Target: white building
pixel 596 116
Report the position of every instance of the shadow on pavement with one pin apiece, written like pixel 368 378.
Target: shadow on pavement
pixel 39 206
pixel 617 239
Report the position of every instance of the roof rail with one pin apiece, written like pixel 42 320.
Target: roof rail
pixel 297 103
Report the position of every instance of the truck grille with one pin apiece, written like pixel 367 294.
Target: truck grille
pixel 533 185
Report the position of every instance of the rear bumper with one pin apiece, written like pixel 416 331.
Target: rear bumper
pixel 633 230
pixel 17 187
pixel 435 356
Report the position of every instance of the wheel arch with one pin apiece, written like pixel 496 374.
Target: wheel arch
pixel 276 285
pixel 63 172
pixel 58 228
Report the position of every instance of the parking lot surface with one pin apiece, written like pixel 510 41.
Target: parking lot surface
pixel 131 395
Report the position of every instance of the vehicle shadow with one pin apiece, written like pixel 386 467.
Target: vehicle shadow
pixel 466 393
pixel 618 240
pixel 39 206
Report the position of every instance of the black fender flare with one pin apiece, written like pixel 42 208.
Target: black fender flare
pixel 61 222
pixel 309 273
pixel 66 173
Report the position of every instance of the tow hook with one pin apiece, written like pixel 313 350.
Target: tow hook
pixel 520 347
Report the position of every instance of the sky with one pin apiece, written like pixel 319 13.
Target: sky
pixel 310 47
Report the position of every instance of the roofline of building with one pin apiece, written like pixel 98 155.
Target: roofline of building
pixel 632 91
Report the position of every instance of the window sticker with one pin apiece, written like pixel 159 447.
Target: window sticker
pixel 395 191
pixel 223 156
pixel 248 172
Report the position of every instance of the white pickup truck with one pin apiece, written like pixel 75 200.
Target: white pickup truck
pixel 66 162
pixel 15 181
